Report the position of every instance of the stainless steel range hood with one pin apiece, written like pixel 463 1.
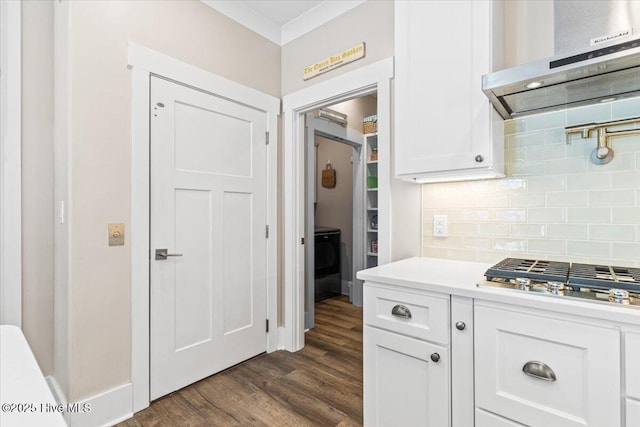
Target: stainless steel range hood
pixel 601 72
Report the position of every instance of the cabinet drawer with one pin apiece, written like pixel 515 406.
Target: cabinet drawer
pixel 584 361
pixel 633 413
pixel 486 419
pixel 632 356
pixel 427 317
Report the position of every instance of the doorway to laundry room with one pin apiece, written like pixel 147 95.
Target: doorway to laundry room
pixel 341 197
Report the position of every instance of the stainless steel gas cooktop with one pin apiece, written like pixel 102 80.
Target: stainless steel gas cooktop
pixel 600 283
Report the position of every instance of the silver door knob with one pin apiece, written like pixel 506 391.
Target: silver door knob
pixel 435 357
pixel 162 254
pixel 460 326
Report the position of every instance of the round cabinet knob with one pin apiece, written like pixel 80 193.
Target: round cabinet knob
pixel 479 158
pixel 435 357
pixel 460 326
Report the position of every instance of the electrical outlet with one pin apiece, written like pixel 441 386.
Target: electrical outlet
pixel 440 226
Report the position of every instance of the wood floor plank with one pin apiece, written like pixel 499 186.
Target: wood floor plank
pixel 320 385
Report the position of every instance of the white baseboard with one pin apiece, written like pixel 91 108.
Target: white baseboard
pixel 107 409
pixel 56 390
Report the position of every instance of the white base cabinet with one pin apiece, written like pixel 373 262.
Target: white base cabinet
pixel 406 381
pixel 545 371
pixel 409 368
pixel 438 360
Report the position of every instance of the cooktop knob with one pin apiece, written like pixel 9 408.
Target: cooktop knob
pixel 523 284
pixel 619 296
pixel 555 288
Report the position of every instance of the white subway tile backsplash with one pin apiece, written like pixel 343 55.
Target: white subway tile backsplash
pixel 625 109
pixel 480 243
pixel 510 215
pixel 521 140
pixel 548 246
pixel 567 231
pixel 553 204
pixel 525 168
pixel 567 199
pixel 588 215
pixel 566 165
pixel 611 198
pixel 546 121
pixel 476 215
pixel 510 245
pixel 625 215
pixel 527 230
pixel 548 215
pixel 544 152
pixel 589 249
pixel 590 114
pixel 620 162
pixel 629 251
pixel 492 229
pixel 523 200
pixel 514 126
pixel 586 181
pixel 546 183
pixel 612 233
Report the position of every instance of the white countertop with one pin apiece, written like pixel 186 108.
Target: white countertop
pixel 24 394
pixel 460 278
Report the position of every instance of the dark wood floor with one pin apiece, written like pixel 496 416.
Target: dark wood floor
pixel 321 385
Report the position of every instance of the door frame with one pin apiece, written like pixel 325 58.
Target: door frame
pixel 144 62
pixel 10 153
pixel 340 135
pixel 370 78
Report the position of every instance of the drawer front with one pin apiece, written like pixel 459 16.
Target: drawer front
pixel 632 356
pixel 427 317
pixel 633 413
pixel 584 361
pixel 486 419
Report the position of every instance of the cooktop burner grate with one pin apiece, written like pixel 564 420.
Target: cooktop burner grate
pixel 603 276
pixel 512 268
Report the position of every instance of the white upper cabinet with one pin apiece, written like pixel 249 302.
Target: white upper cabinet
pixel 445 127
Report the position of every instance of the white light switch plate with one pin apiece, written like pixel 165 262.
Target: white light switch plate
pixel 440 226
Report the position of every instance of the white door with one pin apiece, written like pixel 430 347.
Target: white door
pixel 208 213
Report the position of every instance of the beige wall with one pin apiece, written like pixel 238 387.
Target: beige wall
pixel 37 180
pixel 371 22
pixel 100 304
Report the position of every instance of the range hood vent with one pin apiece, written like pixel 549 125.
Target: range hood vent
pixel 600 71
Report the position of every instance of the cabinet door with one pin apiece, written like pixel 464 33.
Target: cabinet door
pixel 632 356
pixel 403 386
pixel 443 120
pixel 541 371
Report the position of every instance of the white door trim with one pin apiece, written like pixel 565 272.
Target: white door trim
pixel 143 62
pixel 10 155
pixel 346 86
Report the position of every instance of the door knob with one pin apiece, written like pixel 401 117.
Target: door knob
pixel 161 254
pixel 460 326
pixel 435 357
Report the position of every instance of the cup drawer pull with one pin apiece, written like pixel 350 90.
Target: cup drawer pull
pixel 539 370
pixel 401 311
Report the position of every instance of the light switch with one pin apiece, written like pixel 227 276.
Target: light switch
pixel 116 234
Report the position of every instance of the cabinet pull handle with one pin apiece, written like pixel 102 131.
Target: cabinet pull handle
pixel 401 311
pixel 539 370
pixel 460 326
